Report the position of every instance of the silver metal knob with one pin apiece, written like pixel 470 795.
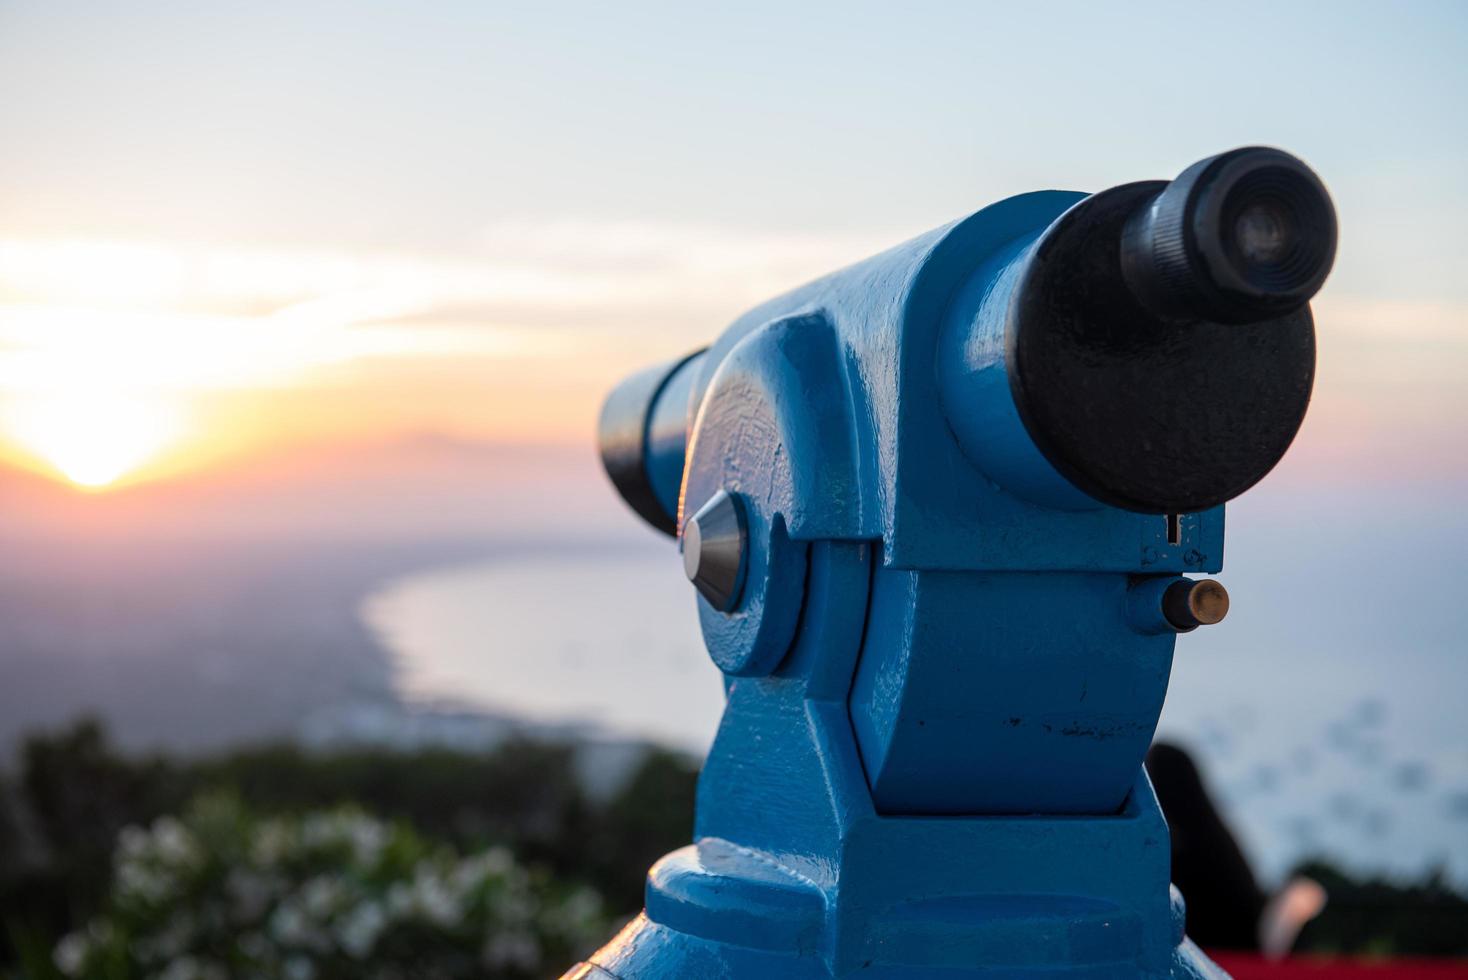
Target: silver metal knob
pixel 714 544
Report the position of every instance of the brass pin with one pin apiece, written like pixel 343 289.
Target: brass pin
pixel 1188 604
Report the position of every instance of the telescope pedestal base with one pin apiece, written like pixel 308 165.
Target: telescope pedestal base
pixel 720 911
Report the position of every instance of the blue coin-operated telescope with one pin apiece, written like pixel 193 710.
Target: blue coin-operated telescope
pixel 940 509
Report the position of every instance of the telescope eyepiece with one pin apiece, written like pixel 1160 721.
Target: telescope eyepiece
pixel 1158 343
pixel 1243 236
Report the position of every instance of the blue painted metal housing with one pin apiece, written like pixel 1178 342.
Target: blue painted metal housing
pixel 946 663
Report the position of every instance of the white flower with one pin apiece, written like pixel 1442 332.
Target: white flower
pixel 399 900
pixel 310 890
pixel 433 899
pixel 365 836
pixel 368 839
pixel 133 843
pixel 321 896
pixel 189 968
pixel 136 881
pixel 299 968
pixel 71 953
pixel 290 926
pixel 472 872
pixel 499 860
pixel 360 929
pixel 173 843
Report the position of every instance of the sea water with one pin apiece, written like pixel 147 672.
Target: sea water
pixel 1327 712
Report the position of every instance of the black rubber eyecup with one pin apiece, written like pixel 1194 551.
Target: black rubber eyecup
pixel 1242 236
pixel 1266 230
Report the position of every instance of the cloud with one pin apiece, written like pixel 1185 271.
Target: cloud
pixel 1357 319
pixel 557 265
pixel 156 320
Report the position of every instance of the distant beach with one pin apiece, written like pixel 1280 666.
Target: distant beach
pixel 1326 710
pixel 1341 737
pixel 604 640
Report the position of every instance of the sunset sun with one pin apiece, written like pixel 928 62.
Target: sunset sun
pixel 95 438
pixel 125 361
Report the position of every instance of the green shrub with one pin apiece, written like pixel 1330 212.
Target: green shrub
pixel 221 892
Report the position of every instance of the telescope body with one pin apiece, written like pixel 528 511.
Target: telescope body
pixel 942 510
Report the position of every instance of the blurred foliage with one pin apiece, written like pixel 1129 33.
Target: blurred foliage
pixel 74 809
pixel 63 811
pixel 1374 917
pixel 221 893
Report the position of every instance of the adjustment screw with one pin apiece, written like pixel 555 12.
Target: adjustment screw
pixel 714 544
pixel 1188 604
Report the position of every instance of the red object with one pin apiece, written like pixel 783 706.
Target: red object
pixel 1244 967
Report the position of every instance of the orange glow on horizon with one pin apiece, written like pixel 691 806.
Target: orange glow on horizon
pixel 123 363
pixel 126 362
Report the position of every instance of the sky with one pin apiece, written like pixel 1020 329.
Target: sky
pixel 235 230
pixel 369 268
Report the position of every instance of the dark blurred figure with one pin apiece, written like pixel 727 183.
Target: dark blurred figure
pixel 1226 907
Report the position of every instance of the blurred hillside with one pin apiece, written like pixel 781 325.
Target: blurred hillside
pixel 210 608
pixel 424 487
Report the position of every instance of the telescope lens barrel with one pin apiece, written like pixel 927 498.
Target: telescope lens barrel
pixel 642 435
pixel 1151 348
pixel 1243 236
